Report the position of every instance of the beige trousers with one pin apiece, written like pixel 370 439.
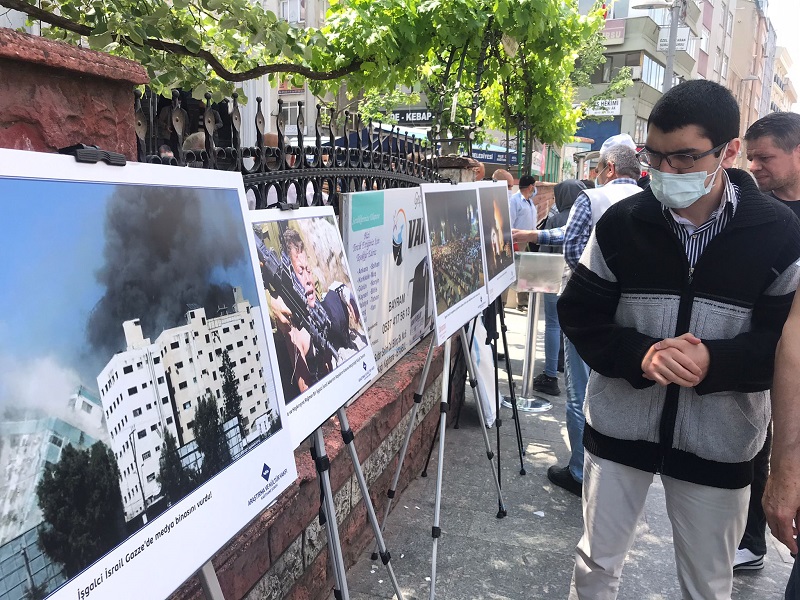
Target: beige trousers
pixel 707 524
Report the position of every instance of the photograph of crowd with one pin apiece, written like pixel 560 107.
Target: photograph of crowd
pixel 455 241
pixel 496 221
pixel 316 322
pixel 131 365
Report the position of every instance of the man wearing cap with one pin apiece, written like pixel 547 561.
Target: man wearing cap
pixel 617 171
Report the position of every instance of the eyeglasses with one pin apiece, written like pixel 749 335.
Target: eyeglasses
pixel 648 158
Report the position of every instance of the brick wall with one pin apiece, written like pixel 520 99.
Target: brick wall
pixel 544 199
pixel 56 95
pixel 283 553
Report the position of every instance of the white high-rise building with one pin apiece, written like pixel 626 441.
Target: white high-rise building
pixel 153 386
pixel 136 402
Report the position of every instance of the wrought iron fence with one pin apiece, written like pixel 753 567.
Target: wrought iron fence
pixel 285 175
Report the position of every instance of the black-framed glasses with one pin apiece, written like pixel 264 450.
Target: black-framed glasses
pixel 648 158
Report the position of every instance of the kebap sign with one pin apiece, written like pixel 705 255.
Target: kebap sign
pixel 384 236
pixel 139 421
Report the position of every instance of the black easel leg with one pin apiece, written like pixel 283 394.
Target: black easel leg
pixel 514 411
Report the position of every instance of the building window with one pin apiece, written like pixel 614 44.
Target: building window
pixel 729 25
pixel 132 391
pixel 165 400
pixel 153 427
pixel 249 393
pixel 252 410
pixel 640 131
pixel 705 36
pixel 242 360
pixel 236 327
pixel 718 60
pixel 182 385
pixel 137 412
pixel 226 329
pixel 293 11
pixel 239 344
pixel 652 73
pixel 87 408
pixel 151 477
pixel 138 365
pixel 127 369
pixel 141 434
pixel 229 347
pixel 156 360
pixel 169 420
pixel 146 455
pixel 187 405
pixel 56 441
pixel 724 71
pixel 175 345
pixel 179 364
pixel 144 385
pixel 190 425
pixel 160 380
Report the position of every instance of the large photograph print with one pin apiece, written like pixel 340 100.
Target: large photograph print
pixel 456 253
pixel 140 428
pixel 318 328
pixel 496 225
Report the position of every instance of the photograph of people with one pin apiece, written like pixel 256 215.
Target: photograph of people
pixel 315 319
pixel 455 246
pixel 496 229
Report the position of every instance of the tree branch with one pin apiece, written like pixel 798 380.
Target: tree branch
pixel 181 50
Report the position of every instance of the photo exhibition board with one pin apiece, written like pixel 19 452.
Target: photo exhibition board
pixel 384 237
pixel 456 255
pixel 496 231
pixel 318 335
pixel 135 389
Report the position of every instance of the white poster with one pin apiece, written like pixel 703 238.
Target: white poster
pixel 319 335
pixel 384 237
pixel 456 254
pixel 139 424
pixel 496 231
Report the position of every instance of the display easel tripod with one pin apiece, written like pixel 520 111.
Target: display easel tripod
pixel 327 514
pixel 443 407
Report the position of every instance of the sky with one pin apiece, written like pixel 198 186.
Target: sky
pixel 785 16
pixel 56 237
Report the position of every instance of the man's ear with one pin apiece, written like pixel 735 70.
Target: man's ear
pixel 731 153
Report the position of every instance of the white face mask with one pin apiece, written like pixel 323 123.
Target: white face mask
pixel 681 190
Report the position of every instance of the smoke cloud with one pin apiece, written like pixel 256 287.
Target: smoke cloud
pixel 161 251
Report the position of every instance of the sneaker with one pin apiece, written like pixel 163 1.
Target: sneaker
pixel 561 477
pixel 546 384
pixel 747 561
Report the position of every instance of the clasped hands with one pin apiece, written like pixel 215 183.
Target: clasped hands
pixel 683 360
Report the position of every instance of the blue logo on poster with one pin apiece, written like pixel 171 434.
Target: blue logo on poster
pixel 265 472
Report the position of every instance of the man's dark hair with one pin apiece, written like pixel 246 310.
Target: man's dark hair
pixel 699 102
pixel 526 180
pixel 589 183
pixel 292 242
pixel 782 127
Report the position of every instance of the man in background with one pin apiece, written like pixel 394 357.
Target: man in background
pixel 773 149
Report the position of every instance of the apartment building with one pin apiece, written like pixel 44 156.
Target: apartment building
pixel 783 94
pixel 152 387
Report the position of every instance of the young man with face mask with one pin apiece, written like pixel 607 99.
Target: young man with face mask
pixel 679 317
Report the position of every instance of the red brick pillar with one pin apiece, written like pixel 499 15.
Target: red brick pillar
pixel 54 95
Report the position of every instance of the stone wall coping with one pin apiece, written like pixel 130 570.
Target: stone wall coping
pixel 59 55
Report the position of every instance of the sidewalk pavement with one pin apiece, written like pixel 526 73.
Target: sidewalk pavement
pixel 529 554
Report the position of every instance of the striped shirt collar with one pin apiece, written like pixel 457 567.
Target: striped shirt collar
pixel 621 180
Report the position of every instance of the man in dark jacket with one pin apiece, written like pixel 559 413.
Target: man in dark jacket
pixel 678 317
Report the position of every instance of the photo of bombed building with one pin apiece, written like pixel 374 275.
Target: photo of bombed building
pixel 151 388
pixel 131 372
pixel 455 239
